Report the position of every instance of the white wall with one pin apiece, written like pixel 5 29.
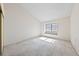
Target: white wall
pixel 18 24
pixel 63 28
pixel 75 27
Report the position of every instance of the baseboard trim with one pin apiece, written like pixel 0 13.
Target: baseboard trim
pixel 20 41
pixel 74 49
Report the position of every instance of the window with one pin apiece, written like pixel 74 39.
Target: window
pixel 51 28
pixel 48 27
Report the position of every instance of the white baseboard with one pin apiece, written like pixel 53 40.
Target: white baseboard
pixel 21 41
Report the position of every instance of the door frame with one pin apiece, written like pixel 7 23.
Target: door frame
pixel 1 30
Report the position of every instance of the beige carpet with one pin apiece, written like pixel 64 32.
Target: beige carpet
pixel 40 46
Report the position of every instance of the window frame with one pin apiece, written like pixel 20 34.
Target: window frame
pixel 51 30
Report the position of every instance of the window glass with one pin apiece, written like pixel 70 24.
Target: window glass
pixel 48 27
pixel 51 28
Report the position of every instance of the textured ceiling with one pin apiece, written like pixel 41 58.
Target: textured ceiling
pixel 48 11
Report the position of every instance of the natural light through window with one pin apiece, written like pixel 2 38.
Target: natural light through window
pixel 51 28
pixel 47 39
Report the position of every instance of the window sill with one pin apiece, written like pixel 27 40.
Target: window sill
pixel 51 33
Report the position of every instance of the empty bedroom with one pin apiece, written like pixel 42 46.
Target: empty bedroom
pixel 39 29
